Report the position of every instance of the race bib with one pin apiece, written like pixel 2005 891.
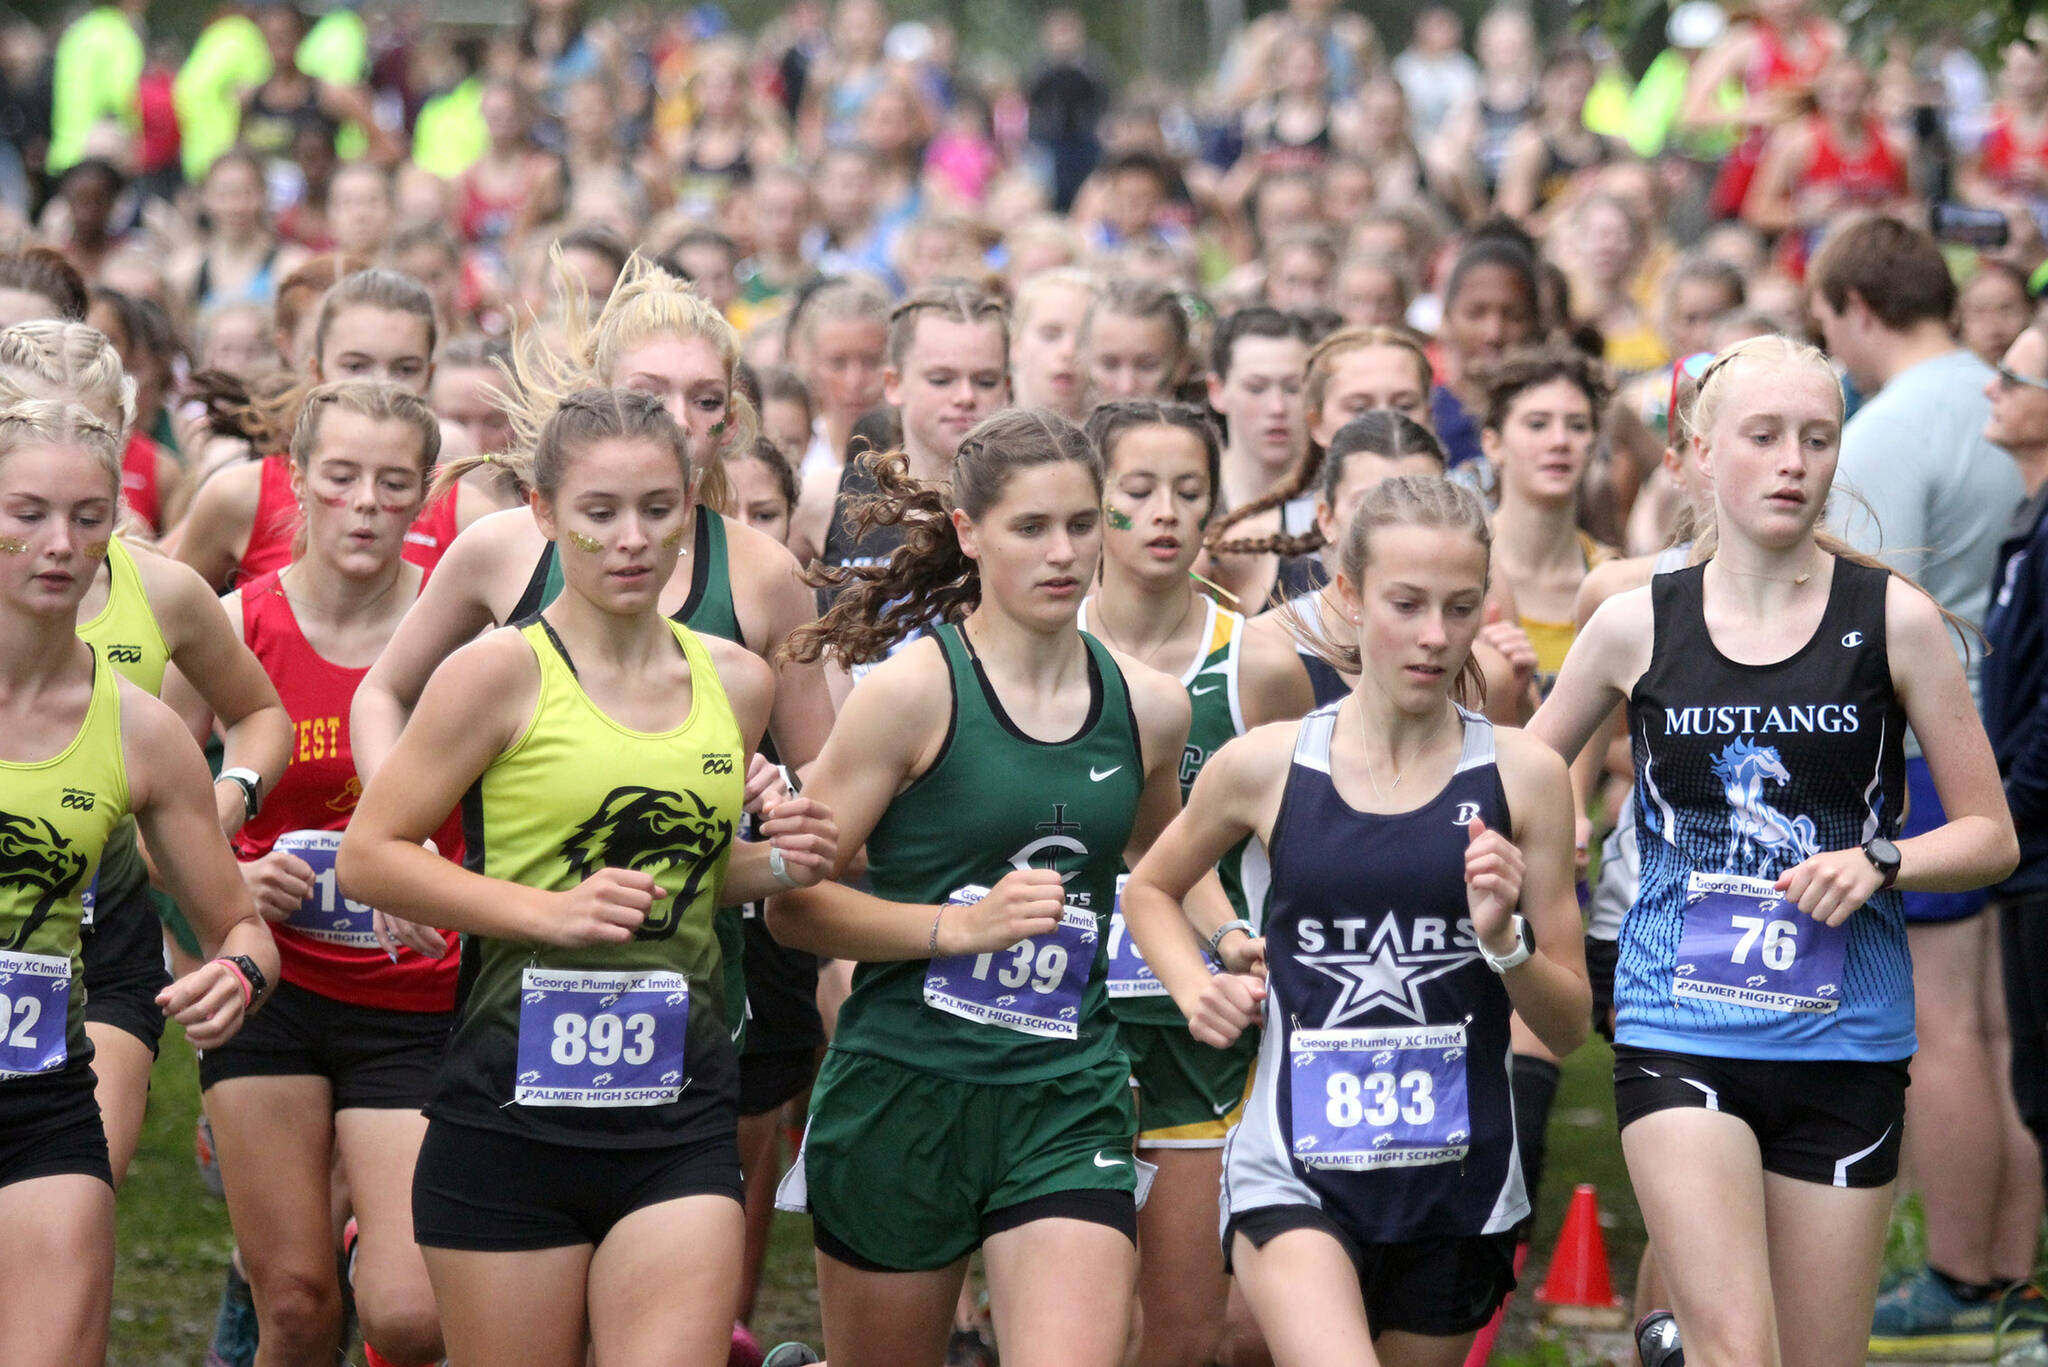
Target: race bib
pixel 1129 974
pixel 1390 1098
pixel 1033 987
pixel 35 989
pixel 326 915
pixel 596 1039
pixel 1745 944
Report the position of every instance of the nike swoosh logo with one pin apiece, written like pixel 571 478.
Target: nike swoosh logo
pixel 1102 1162
pixel 1198 692
pixel 1097 775
pixel 1225 1109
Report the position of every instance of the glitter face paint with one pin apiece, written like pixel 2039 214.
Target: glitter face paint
pixel 672 540
pixel 1119 520
pixel 95 550
pixel 13 545
pixel 589 544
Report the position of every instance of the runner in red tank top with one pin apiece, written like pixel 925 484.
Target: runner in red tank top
pixel 2010 168
pixel 1775 57
pixel 356 1027
pixel 1836 160
pixel 373 325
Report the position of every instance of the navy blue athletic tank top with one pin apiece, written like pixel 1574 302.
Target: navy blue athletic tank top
pixel 1743 771
pixel 1382 1090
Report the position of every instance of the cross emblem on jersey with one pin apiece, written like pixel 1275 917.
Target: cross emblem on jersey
pixel 1385 975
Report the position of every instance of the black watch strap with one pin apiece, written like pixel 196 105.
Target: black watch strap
pixel 258 984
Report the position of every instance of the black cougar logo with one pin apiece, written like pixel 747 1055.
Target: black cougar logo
pixel 651 830
pixel 33 855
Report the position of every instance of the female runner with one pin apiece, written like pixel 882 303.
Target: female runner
pixel 657 336
pixel 344 1062
pixel 1135 342
pixel 581 1149
pixel 1161 463
pixel 973 1095
pixel 1371 1192
pixel 81 749
pixel 143 612
pixel 1763 997
pixel 373 325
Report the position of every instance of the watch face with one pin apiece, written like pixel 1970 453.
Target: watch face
pixel 1883 853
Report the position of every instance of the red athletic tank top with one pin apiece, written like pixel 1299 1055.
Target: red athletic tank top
pixel 2005 154
pixel 138 479
pixel 276 526
pixel 1868 177
pixel 1773 64
pixel 322 949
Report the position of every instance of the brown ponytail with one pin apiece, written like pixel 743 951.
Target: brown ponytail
pixel 929 578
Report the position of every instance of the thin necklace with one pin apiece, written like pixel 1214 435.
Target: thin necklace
pixel 1795 581
pixel 1399 774
pixel 1163 641
pixel 323 608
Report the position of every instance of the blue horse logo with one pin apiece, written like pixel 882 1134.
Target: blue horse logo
pixel 1760 834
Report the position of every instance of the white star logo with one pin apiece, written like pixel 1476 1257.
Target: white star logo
pixel 1383 976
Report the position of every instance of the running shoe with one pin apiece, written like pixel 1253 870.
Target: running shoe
pixel 234 1325
pixel 1657 1342
pixel 1922 1318
pixel 2022 1310
pixel 967 1348
pixel 790 1355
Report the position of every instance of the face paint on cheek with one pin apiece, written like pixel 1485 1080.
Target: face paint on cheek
pixel 94 550
pixel 589 544
pixel 336 501
pixel 672 540
pixel 13 545
pixel 1118 519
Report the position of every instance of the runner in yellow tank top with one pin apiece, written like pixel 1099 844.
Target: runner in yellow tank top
pixel 142 612
pixel 582 1144
pixel 80 750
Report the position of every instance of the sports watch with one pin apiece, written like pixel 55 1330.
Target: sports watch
pixel 258 984
pixel 1884 857
pixel 1525 945
pixel 251 784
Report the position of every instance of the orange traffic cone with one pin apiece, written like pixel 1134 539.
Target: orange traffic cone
pixel 1579 1290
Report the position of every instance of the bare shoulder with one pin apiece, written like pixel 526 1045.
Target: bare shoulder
pixel 1527 766
pixel 1912 621
pixel 755 549
pixel 1157 699
pixel 1257 759
pixel 1608 578
pixel 748 681
pixel 913 680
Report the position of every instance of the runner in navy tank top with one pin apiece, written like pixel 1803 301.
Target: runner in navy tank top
pixel 1374 1183
pixel 1764 1008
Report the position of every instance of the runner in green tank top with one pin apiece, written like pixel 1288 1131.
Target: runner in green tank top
pixel 142 612
pixel 998 772
pixel 81 749
pixel 1162 462
pixel 584 1122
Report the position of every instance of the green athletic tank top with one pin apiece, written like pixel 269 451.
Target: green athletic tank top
pixel 578 792
pixel 1216 715
pixel 707 610
pixel 995 800
pixel 125 633
pixel 56 816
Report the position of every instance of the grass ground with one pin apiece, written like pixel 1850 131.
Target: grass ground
pixel 174 1238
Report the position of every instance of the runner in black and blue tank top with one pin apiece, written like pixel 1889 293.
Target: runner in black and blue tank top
pixel 999 772
pixel 1764 1010
pixel 1161 464
pixel 1378 1151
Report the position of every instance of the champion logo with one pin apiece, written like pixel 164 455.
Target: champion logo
pixel 1467 813
pixel 1853 639
pixel 1097 775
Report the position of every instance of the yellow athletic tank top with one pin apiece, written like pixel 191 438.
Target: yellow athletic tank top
pixel 55 818
pixel 578 792
pixel 125 632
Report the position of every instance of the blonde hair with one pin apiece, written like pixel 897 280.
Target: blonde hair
pixel 53 359
pixel 378 401
pixel 1779 351
pixel 58 422
pixel 1401 501
pixel 647 302
pixel 1042 284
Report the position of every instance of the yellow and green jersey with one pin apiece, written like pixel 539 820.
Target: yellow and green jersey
pixel 578 792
